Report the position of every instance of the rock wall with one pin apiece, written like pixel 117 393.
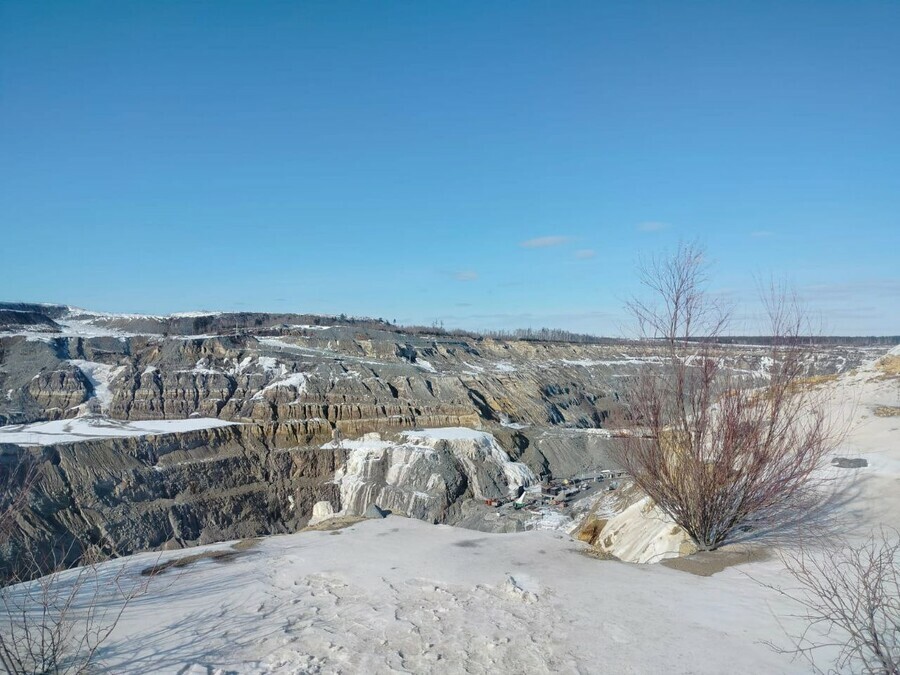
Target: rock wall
pixel 355 381
pixel 119 496
pixel 356 386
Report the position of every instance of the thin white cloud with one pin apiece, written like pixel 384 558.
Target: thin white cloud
pixel 652 226
pixel 544 242
pixel 585 254
pixel 466 275
pixel 854 290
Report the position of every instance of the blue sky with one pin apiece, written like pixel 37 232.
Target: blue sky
pixel 484 164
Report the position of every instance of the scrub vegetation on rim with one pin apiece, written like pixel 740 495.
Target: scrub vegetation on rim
pixel 726 458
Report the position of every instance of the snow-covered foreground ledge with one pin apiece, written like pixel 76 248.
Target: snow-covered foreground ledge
pixel 96 427
pixel 401 595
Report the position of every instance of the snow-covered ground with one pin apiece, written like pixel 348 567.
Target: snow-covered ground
pixel 67 328
pixel 399 595
pixel 94 427
pixel 78 322
pixel 859 400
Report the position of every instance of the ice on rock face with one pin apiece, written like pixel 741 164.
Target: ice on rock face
pixel 100 376
pixel 296 381
pixel 427 472
pixel 322 511
pixel 401 478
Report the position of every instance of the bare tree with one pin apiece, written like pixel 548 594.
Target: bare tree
pixel 720 451
pixel 850 600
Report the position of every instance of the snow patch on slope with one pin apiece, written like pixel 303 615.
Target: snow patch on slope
pixel 101 377
pixel 297 381
pixel 424 365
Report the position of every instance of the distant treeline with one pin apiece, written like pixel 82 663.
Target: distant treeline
pixel 525 334
pixel 856 340
pixel 558 335
pixel 31 314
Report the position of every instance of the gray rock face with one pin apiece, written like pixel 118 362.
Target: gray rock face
pixel 132 494
pixel 850 463
pixel 26 316
pixel 374 512
pixel 58 391
pixel 124 495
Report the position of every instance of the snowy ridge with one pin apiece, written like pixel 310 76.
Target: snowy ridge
pixel 95 427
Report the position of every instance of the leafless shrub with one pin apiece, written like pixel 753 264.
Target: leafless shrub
pixel 850 600
pixel 56 622
pixel 719 451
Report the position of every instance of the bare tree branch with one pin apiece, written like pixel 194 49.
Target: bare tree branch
pixel 718 453
pixel 849 601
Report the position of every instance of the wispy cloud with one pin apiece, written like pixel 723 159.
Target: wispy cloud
pixel 762 234
pixel 544 242
pixel 652 226
pixel 585 254
pixel 855 290
pixel 465 275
